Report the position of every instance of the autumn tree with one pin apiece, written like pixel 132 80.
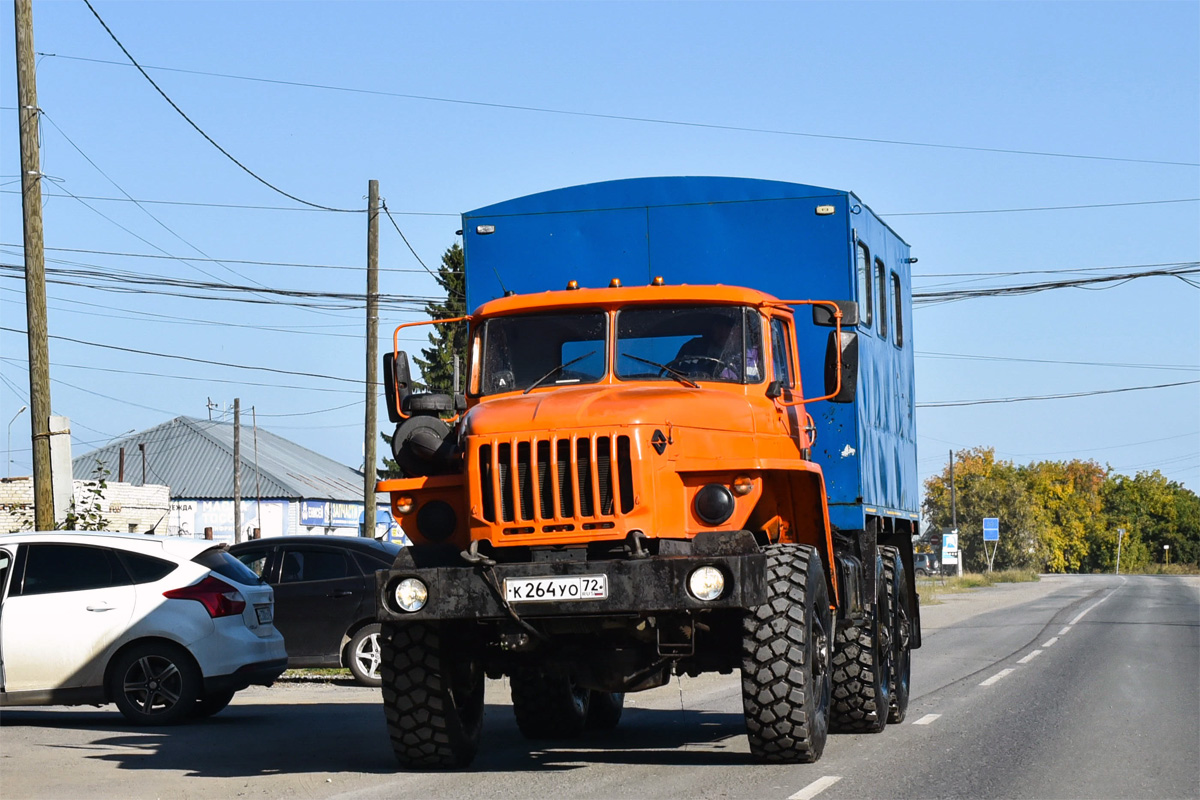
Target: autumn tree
pixel 1066 499
pixel 1153 511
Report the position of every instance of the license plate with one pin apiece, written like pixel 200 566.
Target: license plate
pixel 556 589
pixel 265 614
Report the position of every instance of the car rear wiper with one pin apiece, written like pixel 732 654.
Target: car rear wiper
pixel 676 374
pixel 557 369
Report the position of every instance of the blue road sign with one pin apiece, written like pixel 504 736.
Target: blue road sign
pixel 991 529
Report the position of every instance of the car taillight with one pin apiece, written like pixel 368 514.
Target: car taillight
pixel 218 597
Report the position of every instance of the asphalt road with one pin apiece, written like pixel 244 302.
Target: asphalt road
pixel 1074 687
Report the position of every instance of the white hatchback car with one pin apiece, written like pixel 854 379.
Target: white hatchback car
pixel 168 629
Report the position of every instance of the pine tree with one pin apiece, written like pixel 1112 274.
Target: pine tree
pixel 437 361
pixel 446 341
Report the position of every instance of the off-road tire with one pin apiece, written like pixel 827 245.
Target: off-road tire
pixel 785 659
pixel 901 626
pixel 604 710
pixel 155 683
pixel 363 656
pixel 432 695
pixel 548 705
pixel 862 667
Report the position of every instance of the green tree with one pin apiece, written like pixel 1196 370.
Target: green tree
pixel 446 341
pixel 436 362
pixel 1153 511
pixel 985 487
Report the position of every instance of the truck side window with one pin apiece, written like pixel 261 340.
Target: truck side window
pixel 881 280
pixel 781 353
pixel 897 299
pixel 866 306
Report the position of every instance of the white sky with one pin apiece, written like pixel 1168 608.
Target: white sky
pixel 1116 84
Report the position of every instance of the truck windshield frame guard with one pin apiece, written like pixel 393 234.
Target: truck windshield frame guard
pixel 634 487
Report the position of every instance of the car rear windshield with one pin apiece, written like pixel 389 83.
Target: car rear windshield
pixel 222 562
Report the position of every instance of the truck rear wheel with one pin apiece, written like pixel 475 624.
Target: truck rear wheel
pixel 432 696
pixel 785 659
pixel 604 710
pixel 548 705
pixel 901 626
pixel 862 670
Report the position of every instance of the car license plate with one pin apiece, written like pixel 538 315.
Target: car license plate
pixel 265 614
pixel 557 588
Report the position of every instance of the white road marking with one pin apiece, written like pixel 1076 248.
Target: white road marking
pixel 1063 632
pixel 815 788
pixel 1083 613
pixel 1002 673
pixel 1030 657
pixel 927 719
pixel 1050 642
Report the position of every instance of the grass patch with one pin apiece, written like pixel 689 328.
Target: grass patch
pixel 315 674
pixel 931 588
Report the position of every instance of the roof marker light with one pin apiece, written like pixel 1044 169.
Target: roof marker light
pixel 658 281
pixel 572 285
pixel 615 283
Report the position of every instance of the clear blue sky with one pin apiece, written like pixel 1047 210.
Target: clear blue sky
pixel 1116 85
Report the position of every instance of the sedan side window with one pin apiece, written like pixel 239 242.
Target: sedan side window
pixel 255 562
pixel 71 568
pixel 314 565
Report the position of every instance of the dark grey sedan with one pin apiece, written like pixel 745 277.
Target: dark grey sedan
pixel 324 597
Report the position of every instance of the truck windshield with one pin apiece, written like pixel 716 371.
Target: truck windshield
pixel 520 352
pixel 710 343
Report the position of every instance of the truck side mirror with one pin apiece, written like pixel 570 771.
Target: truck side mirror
pixel 849 350
pixel 397 383
pixel 823 314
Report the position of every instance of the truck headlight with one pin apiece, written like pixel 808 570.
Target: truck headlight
pixel 706 583
pixel 436 520
pixel 714 504
pixel 411 594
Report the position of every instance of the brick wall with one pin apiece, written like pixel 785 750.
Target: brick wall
pixel 124 507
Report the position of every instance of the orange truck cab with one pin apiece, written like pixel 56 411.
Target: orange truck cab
pixel 625 492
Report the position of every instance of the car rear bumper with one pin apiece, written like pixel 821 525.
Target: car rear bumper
pixel 261 673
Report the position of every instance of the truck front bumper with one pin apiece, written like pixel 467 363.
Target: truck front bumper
pixel 635 587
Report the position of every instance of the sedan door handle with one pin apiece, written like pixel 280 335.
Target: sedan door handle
pixel 101 608
pixel 341 593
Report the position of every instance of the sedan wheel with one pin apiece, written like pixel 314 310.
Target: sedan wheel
pixel 364 655
pixel 155 683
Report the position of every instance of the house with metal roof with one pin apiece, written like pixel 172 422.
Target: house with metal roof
pixel 284 488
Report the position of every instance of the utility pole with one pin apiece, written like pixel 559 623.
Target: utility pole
pixel 954 518
pixel 1120 538
pixel 370 433
pixel 35 270
pixel 237 469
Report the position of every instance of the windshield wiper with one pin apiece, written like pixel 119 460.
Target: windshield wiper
pixel 677 375
pixel 556 370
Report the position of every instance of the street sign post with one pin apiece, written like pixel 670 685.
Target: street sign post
pixel 991 533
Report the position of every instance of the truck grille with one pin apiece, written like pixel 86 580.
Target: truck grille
pixel 557 481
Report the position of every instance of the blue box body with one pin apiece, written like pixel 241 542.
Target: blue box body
pixel 761 234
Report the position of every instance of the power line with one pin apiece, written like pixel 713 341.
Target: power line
pixel 193 360
pixel 211 141
pixel 628 118
pixel 1037 208
pixel 958 403
pixel 247 207
pixel 929 298
pixel 216 260
pixel 964 357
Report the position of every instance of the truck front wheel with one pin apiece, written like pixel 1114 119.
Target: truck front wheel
pixel 432 695
pixel 785 659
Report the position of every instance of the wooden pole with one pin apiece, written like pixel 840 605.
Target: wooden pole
pixel 371 433
pixel 237 469
pixel 35 270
